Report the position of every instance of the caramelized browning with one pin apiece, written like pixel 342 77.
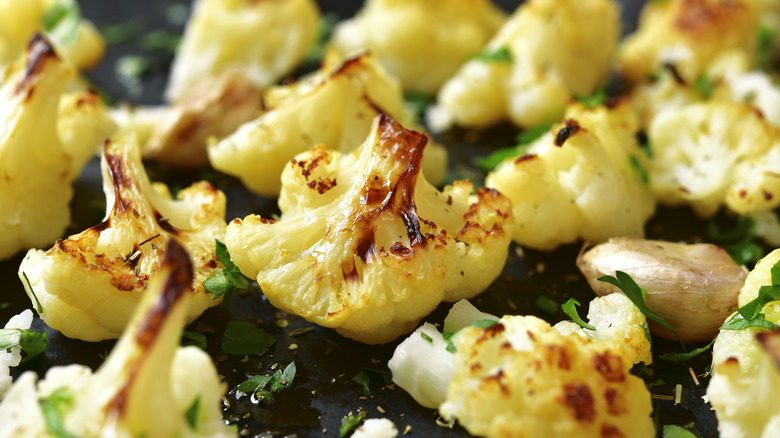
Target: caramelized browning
pixel 40 51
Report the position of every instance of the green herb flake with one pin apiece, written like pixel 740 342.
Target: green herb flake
pixel 484 323
pixel 675 431
pixel 417 104
pixel 426 337
pixel 278 380
pixel 31 342
pixel 596 99
pixel 242 338
pixel 161 41
pixel 764 39
pixel 368 376
pixel 53 408
pixel 62 21
pixel 491 161
pixel 681 357
pixel 229 280
pixel 501 55
pixel 532 134
pixel 189 337
pixel 704 85
pixel 193 412
pixel 6 305
pixel 740 241
pixel 750 315
pixel 122 32
pixel 38 306
pixel 570 309
pixel 547 305
pixel 350 422
pixel 637 295
pixel 639 169
pixel 316 52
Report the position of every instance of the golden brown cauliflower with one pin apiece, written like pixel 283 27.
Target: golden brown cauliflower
pixel 421 42
pixel 115 259
pixel 148 386
pixel 690 35
pixel 330 107
pixel 264 40
pixel 365 244
pixel 177 135
pixel 584 180
pixel 546 53
pixel 75 38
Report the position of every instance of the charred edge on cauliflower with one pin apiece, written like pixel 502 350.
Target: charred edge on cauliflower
pixel 770 341
pixel 177 262
pixel 571 128
pixel 472 231
pixel 406 148
pixel 578 398
pixel 40 52
pixel 115 165
pixel 701 16
pixel 675 73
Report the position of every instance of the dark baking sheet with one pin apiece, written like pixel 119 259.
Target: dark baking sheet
pixel 323 390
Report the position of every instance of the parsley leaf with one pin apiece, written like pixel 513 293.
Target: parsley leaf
pixel 189 337
pixel 426 337
pixel 32 342
pixel 680 357
pixel 53 408
pixel 367 376
pixel 230 279
pixel 639 169
pixel 417 104
pixel 524 138
pixel 62 20
pixel 242 338
pixel 704 85
pixel 637 295
pixel 192 413
pixel 279 380
pixel 547 305
pixel 675 431
pixel 765 36
pixel 38 306
pixel 596 99
pixel 750 314
pixel 739 241
pixel 570 309
pixel 349 422
pixel 484 323
pixel 501 55
pixel 325 28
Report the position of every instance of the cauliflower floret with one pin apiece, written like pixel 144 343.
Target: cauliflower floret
pixel 365 244
pixel 746 367
pixel 77 39
pixel 521 377
pixel 376 428
pixel 36 166
pixel 452 31
pixel 585 179
pixel 715 153
pixel 177 135
pixel 557 49
pixel 690 35
pixel 115 259
pixel 13 356
pixel 148 385
pixel 264 40
pixel 83 125
pixel 334 108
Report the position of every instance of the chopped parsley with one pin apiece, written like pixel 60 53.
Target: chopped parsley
pixel 639 169
pixel 350 422
pixel 501 55
pixel 278 380
pixel 192 413
pixel 53 408
pixel 426 337
pixel 547 305
pixel 680 357
pixel 598 98
pixel 417 104
pixel 33 343
pixel 750 315
pixel 740 241
pixel 189 337
pixel 704 85
pixel 62 20
pixel 367 376
pixel 570 309
pixel 38 306
pixel 675 431
pixel 242 338
pixel 230 279
pixel 523 139
pixel 765 36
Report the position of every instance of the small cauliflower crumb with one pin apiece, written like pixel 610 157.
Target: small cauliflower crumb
pixel 376 428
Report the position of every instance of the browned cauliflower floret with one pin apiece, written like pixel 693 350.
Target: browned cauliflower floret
pixel 114 259
pixel 263 40
pixel 366 245
pixel 452 31
pixel 332 107
pixel 177 135
pixel 583 180
pixel 546 53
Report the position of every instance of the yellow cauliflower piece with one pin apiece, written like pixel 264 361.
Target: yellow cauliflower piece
pixel 746 367
pixel 452 31
pixel 715 153
pixel 177 135
pixel 583 180
pixel 332 107
pixel 20 20
pixel 115 259
pixel 690 35
pixel 556 49
pixel 521 377
pixel 147 386
pixel 83 125
pixel 264 40
pixel 365 244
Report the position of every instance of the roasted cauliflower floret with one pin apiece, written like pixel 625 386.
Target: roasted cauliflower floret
pixel 365 244
pixel 552 50
pixel 690 35
pixel 715 153
pixel 584 180
pixel 520 377
pixel 115 259
pixel 177 135
pixel 334 108
pixel 75 38
pixel 264 40
pixel 746 366
pixel 36 165
pixel 13 356
pixel 148 385
pixel 452 31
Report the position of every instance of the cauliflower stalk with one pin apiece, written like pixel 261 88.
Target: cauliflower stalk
pixel 517 376
pixel 115 259
pixel 584 180
pixel 264 40
pixel 36 165
pixel 331 107
pixel 452 31
pixel 148 385
pixel 746 365
pixel 365 244
pixel 543 45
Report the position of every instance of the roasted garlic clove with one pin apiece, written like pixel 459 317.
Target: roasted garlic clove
pixel 693 287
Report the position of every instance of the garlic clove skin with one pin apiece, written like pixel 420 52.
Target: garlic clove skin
pixel 694 287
